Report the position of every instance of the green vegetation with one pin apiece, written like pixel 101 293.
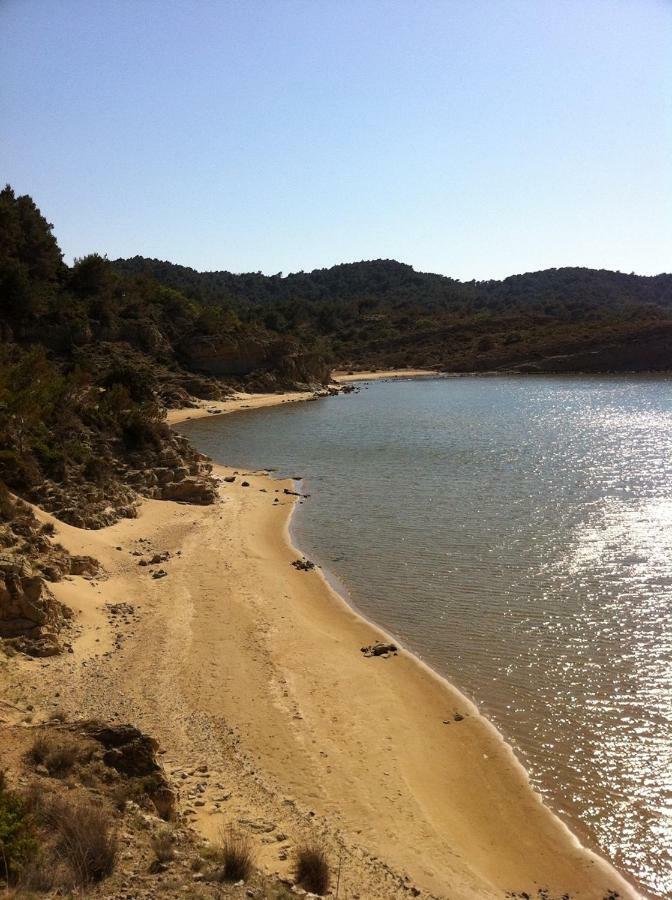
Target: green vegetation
pixel 383 313
pixel 17 839
pixel 92 354
pixel 90 358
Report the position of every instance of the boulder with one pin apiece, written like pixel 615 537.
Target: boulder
pixel 381 648
pixel 27 606
pixel 132 753
pixel 127 749
pixel 190 490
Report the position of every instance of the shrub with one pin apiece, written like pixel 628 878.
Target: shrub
pixel 57 754
pixel 85 839
pixel 162 843
pixel 236 855
pixel 312 869
pixel 17 841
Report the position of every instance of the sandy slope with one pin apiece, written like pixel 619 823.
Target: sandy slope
pixel 238 662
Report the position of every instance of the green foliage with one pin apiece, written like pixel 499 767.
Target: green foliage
pixel 17 840
pixel 384 313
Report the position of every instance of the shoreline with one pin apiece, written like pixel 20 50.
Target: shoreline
pixel 331 585
pixel 342 377
pixel 235 403
pixel 341 595
pixel 243 662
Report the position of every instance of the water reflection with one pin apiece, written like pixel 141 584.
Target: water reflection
pixel 517 533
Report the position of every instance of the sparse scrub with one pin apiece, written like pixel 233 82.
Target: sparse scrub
pixel 57 753
pixel 163 845
pixel 236 856
pixel 85 838
pixel 312 868
pixel 17 840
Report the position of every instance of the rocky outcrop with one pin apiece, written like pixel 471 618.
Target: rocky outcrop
pixel 267 363
pixel 172 470
pixel 30 615
pixel 381 648
pixel 191 490
pixel 133 754
pixel 32 620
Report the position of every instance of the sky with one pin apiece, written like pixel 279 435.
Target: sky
pixel 475 138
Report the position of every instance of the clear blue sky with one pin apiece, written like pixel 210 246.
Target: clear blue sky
pixel 476 138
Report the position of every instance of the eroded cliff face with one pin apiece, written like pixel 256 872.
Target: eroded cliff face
pixel 270 362
pixel 32 620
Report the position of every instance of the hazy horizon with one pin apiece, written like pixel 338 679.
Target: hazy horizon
pixel 472 140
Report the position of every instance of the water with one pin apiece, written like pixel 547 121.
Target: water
pixel 517 534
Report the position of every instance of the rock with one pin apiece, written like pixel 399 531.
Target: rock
pixel 201 491
pixel 161 573
pixel 379 649
pixel 244 483
pixel 230 479
pixel 159 558
pixel 127 749
pixel 84 565
pixel 29 612
pixel 303 565
pixel 133 754
pixel 157 866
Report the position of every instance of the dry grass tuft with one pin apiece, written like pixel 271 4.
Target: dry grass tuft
pixel 58 753
pixel 85 838
pixel 312 869
pixel 163 845
pixel 236 855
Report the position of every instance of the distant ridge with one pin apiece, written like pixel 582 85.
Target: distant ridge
pixel 384 313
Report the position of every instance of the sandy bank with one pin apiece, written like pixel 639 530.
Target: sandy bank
pixel 341 376
pixel 234 404
pixel 238 662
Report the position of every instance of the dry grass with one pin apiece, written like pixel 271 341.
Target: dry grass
pixel 57 753
pixel 85 838
pixel 236 855
pixel 163 845
pixel 312 869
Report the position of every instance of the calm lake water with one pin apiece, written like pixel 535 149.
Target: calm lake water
pixel 516 533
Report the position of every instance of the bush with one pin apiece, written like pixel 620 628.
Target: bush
pixel 58 754
pixel 236 856
pixel 163 845
pixel 85 839
pixel 17 841
pixel 312 869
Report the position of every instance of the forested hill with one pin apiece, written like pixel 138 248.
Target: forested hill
pixel 90 358
pixel 384 313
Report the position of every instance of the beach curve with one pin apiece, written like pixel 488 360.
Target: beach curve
pixel 242 659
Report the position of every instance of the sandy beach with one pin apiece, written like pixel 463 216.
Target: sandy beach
pixel 235 403
pixel 239 662
pixel 342 377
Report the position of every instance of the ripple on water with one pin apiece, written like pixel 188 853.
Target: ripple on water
pixel 517 533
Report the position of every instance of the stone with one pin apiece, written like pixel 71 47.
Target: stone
pixel 196 490
pixel 380 648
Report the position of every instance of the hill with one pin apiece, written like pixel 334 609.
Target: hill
pixel 383 313
pixel 90 359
